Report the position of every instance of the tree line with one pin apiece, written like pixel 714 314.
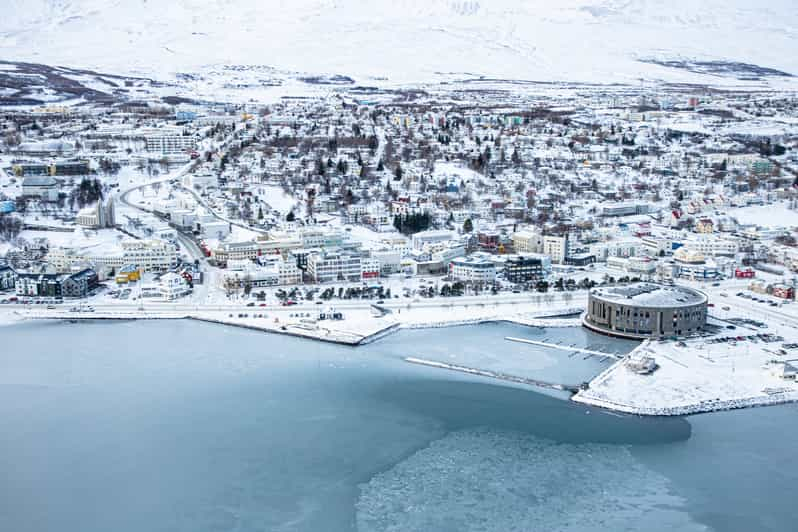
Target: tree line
pixel 412 223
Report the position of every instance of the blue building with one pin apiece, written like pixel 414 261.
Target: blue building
pixel 7 206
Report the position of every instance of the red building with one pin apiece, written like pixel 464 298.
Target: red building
pixel 489 240
pixel 747 273
pixel 783 291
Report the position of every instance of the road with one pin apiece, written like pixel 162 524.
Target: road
pixel 188 243
pixel 557 300
pixel 746 308
pixel 218 216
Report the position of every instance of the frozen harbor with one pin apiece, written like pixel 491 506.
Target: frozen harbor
pixel 187 426
pixel 730 369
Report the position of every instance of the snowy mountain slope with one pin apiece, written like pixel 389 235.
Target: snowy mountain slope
pixel 405 40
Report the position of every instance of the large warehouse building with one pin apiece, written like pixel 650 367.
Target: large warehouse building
pixel 646 310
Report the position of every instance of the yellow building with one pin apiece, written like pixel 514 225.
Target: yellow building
pixel 704 225
pixel 128 274
pixel 688 256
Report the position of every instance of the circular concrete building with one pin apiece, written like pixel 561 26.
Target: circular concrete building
pixel 646 310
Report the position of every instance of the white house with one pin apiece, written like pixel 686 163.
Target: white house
pixel 473 269
pixel 173 286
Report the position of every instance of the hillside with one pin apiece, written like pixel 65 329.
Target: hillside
pixel 409 40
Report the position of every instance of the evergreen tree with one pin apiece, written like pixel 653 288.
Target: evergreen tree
pixel 412 223
pixel 516 157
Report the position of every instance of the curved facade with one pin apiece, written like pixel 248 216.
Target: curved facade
pixel 646 310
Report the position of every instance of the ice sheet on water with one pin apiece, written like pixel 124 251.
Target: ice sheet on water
pixel 488 480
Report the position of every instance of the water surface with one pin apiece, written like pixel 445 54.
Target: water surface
pixel 183 426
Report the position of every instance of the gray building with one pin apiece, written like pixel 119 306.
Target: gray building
pixel 8 277
pixel 55 284
pixel 39 284
pixel 79 284
pixel 646 310
pixel 526 268
pixel 43 187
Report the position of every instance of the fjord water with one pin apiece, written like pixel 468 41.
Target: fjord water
pixel 183 426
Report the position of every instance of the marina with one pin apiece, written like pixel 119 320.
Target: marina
pixel 570 348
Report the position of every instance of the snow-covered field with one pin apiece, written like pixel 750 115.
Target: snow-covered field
pixel 776 215
pixel 699 377
pixel 403 41
pixel 79 237
pixel 276 198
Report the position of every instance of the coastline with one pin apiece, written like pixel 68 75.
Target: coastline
pixel 358 328
pixel 615 388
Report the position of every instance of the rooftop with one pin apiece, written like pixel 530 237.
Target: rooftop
pixel 39 181
pixel 651 295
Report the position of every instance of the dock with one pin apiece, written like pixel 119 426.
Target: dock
pixel 570 349
pixel 495 375
pixel 323 331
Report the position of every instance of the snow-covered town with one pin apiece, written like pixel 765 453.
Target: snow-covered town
pixel 345 216
pixel 398 266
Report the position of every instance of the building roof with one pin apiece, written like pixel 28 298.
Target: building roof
pixel 650 295
pixel 86 272
pixel 39 181
pixel 475 262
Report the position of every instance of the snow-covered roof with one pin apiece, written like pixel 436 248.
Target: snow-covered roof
pixel 650 295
